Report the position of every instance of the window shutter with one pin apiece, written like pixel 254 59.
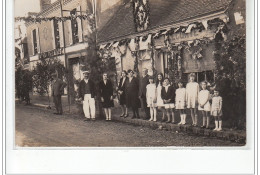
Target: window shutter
pixel 61 34
pixel 53 34
pixel 70 32
pixel 38 40
pixel 32 42
pixel 79 21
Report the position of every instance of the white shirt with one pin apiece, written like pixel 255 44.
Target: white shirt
pixel 166 88
pixel 86 81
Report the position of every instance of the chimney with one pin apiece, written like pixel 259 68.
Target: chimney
pixel 44 4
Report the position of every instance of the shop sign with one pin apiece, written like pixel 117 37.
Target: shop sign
pixel 52 53
pixel 195 34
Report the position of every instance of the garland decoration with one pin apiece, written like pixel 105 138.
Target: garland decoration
pixel 141 11
pixel 35 19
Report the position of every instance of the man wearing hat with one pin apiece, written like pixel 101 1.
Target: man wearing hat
pixel 57 89
pixel 87 94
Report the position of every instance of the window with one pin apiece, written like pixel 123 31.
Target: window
pixel 34 35
pixel 165 64
pixel 74 27
pixel 56 33
pixel 200 76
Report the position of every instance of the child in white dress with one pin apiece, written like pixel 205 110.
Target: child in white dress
pixel 159 85
pixel 151 96
pixel 180 102
pixel 216 110
pixel 204 105
pixel 192 91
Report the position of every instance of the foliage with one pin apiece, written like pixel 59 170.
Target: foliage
pixel 23 82
pixel 230 59
pixel 42 75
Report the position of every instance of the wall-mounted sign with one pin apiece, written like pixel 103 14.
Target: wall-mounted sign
pixel 179 37
pixel 52 53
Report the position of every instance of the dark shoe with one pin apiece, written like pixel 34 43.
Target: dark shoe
pixel 126 115
pixel 122 115
pixel 133 117
pixel 169 121
pixel 56 113
pixel 87 119
pixel 93 119
pixel 203 126
pixel 174 122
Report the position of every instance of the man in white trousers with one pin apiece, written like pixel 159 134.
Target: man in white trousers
pixel 87 94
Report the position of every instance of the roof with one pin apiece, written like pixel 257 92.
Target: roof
pixel 162 12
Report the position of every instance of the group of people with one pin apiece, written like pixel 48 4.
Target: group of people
pixel 159 94
pixel 162 95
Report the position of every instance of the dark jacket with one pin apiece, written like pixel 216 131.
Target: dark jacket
pixel 82 85
pixel 169 95
pixel 106 91
pixel 144 83
pixel 122 87
pixel 57 87
pixel 132 88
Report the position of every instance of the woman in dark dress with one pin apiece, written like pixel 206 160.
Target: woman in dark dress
pixel 106 93
pixel 132 89
pixel 121 93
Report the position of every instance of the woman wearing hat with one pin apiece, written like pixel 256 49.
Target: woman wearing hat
pixel 132 89
pixel 106 93
pixel 122 94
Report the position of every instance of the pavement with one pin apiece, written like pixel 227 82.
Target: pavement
pixel 39 127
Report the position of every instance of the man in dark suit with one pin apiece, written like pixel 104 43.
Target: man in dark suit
pixel 142 92
pixel 87 94
pixel 57 90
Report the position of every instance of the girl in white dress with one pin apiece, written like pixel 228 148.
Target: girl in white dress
pixel 159 85
pixel 180 102
pixel 216 110
pixel 192 91
pixel 151 96
pixel 204 105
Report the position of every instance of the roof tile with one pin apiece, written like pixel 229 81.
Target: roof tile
pixel 162 12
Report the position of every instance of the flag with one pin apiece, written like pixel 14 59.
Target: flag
pixel 205 24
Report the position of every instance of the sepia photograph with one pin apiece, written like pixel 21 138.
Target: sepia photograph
pixel 130 73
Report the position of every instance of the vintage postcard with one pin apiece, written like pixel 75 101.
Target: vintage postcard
pixel 137 73
pixel 131 74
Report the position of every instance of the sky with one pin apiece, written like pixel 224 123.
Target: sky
pixel 22 7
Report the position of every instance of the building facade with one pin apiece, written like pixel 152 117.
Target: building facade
pixel 166 35
pixel 65 40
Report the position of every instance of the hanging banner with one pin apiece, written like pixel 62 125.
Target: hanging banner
pixel 179 37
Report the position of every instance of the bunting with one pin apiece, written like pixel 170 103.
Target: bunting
pixel 35 19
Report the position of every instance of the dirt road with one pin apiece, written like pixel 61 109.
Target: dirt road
pixel 36 127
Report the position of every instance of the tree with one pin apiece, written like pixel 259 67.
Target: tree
pixel 42 75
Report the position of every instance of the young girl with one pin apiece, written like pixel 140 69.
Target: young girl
pixel 204 105
pixel 216 110
pixel 192 91
pixel 180 101
pixel 168 96
pixel 159 102
pixel 151 95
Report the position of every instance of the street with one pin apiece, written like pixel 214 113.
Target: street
pixel 37 127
